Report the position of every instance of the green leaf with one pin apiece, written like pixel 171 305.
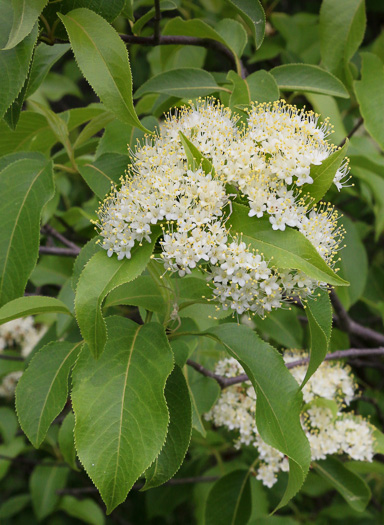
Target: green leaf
pixel 289 248
pixel 353 264
pixel 342 27
pixel 104 62
pixel 100 276
pixel 370 96
pixel 120 408
pixel 203 392
pixel 140 292
pixel 306 77
pixel 52 269
pixel 176 445
pixel 31 305
pixel 234 35
pixel 43 388
pixel 185 82
pixel 194 158
pixel 349 484
pixel 43 59
pixel 66 440
pixel 43 484
pixel 229 500
pixel 319 315
pixel 85 510
pixel 87 251
pixel 8 424
pixel 165 5
pixel 14 67
pixel 94 126
pixel 14 505
pixel 324 173
pixel 262 87
pixel 25 186
pixel 10 450
pixel 104 172
pixel 281 326
pixel 253 15
pixel 279 399
pixel 240 91
pixel 25 15
pixel 7 367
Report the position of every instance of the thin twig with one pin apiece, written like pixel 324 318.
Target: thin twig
pixel 11 357
pixel 49 230
pixel 225 382
pixel 352 132
pixel 53 250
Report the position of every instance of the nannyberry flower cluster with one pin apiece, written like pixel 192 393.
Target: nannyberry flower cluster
pixel 263 164
pixel 20 335
pixel 329 429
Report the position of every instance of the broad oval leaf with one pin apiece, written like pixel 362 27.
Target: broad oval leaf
pixel 100 276
pixel 25 15
pixel 43 59
pixel 176 445
pixel 104 172
pixel 140 292
pixel 370 96
pixel 324 173
pixel 14 67
pixel 185 82
pixel 120 408
pixel 66 440
pixel 289 249
pixel 14 505
pixel 25 186
pixel 85 510
pixel 252 12
pixel 349 484
pixel 104 62
pixel 31 305
pixel 262 87
pixel 306 77
pixel 43 388
pixel 43 483
pixel 279 399
pixel 229 500
pixel 319 315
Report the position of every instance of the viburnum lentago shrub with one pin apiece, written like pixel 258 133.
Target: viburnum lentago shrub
pixel 262 164
pixel 330 429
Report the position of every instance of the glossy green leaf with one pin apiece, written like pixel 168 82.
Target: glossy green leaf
pixel 240 95
pixel 262 87
pixel 100 276
pixel 234 34
pixel 204 392
pixel 25 15
pixel 306 77
pixel 140 292
pixel 342 27
pixel 229 501
pixel 43 484
pixel 120 408
pixel 353 264
pixel 94 126
pixel 349 484
pixel 14 67
pixel 279 400
pixel 319 315
pixel 14 505
pixel 176 445
pixel 104 172
pixel 104 62
pixel 31 305
pixel 87 251
pixel 253 15
pixel 164 5
pixel 52 269
pixel 281 326
pixel 289 249
pixel 85 510
pixel 185 82
pixel 25 186
pixel 370 96
pixel 194 158
pixel 66 440
pixel 43 388
pixel 43 59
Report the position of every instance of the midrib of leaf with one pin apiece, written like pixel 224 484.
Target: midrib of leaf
pixel 233 521
pixel 122 409
pixel 335 481
pixel 50 388
pixel 46 492
pixel 102 58
pixel 99 170
pixel 14 227
pixel 29 136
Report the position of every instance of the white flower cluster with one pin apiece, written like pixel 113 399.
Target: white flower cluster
pixel 329 429
pixel 21 335
pixel 263 164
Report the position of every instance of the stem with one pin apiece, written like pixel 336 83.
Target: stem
pixel 64 252
pixel 352 132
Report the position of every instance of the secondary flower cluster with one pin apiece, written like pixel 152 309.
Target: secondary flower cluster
pixel 263 164
pixel 329 429
pixel 20 335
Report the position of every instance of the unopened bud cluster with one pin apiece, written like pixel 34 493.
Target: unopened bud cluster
pixel 329 428
pixel 263 163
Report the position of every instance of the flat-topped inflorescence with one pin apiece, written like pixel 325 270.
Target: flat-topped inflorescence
pixel 263 163
pixel 329 427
